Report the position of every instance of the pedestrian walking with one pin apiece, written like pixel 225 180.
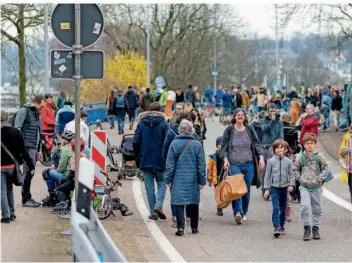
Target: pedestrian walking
pixel 325 111
pixel 241 149
pixel 279 180
pixel 336 108
pixel 215 171
pixel 191 96
pixel 120 107
pixel 185 175
pixel 226 106
pixel 147 99
pixel 12 150
pixel 108 107
pixel 180 97
pixel 27 121
pixel 311 169
pixel 179 109
pixel 132 101
pixel 295 110
pixel 309 122
pixel 148 142
pixel 346 157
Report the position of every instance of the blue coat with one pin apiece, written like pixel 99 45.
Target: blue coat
pixel 271 131
pixel 148 140
pixel 187 173
pixel 170 136
pixel 226 100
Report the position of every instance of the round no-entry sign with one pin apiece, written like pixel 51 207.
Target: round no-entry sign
pixel 63 24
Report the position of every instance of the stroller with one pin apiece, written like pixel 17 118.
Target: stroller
pixel 128 167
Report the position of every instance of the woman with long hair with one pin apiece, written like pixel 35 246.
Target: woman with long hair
pixel 241 151
pixel 108 107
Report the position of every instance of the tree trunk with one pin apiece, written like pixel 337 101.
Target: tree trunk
pixel 22 61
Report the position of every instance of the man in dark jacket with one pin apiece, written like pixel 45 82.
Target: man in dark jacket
pixel 191 96
pixel 236 99
pixel 147 99
pixel 27 121
pixel 132 100
pixel 119 108
pixel 13 141
pixel 148 144
pixel 336 107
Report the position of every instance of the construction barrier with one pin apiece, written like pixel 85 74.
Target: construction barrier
pixel 98 155
pixel 90 241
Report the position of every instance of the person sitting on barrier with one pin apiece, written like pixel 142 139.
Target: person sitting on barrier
pixel 52 178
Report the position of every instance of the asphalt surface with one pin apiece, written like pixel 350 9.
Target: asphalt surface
pixel 220 239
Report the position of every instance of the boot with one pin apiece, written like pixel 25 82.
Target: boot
pixel 288 214
pixel 219 212
pixel 316 234
pixel 307 233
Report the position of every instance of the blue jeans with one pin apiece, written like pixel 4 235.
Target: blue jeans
pixel 54 180
pixel 7 198
pixel 247 169
pixel 112 121
pixel 326 123
pixel 279 201
pixel 120 123
pixel 158 200
pixel 226 111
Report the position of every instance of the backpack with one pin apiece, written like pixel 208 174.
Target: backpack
pixel 304 161
pixel 13 117
pixel 120 102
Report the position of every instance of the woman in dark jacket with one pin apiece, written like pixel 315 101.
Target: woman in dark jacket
pixel 108 107
pixel 185 175
pixel 241 150
pixel 120 107
pixel 12 139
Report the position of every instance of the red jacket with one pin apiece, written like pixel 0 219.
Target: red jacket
pixel 309 125
pixel 48 117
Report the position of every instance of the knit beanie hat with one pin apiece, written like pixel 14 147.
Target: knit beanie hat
pixel 218 141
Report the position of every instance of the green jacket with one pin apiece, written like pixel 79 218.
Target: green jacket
pixel 163 99
pixel 64 163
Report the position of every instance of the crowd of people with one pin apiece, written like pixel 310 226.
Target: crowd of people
pixel 170 150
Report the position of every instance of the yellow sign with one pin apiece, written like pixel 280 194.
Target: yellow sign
pixel 65 26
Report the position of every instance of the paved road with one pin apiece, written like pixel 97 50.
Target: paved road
pixel 220 239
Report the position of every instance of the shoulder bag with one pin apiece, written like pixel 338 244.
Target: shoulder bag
pixel 18 175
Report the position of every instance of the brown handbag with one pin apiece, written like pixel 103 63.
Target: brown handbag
pixel 17 175
pixel 231 188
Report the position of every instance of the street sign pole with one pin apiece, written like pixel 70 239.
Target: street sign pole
pixel 46 49
pixel 77 50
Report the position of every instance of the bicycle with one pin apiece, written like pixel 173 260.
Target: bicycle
pixel 46 143
pixel 106 206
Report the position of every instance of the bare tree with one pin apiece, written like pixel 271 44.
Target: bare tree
pixel 21 17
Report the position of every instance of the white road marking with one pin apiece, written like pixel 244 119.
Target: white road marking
pixel 153 228
pixel 336 199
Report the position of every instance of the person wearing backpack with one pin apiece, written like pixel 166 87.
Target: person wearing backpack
pixel 311 170
pixel 132 100
pixel 27 121
pixel 120 107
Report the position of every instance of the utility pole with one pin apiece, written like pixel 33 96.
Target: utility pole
pixel 46 50
pixel 148 48
pixel 277 44
pixel 215 67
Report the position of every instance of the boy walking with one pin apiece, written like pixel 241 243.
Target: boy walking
pixel 278 180
pixel 215 163
pixel 311 170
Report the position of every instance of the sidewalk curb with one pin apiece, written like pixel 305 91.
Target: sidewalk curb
pixel 326 149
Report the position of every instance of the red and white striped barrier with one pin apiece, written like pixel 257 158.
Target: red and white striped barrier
pixel 98 155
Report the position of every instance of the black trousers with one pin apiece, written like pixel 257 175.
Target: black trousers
pixel 193 211
pixel 64 190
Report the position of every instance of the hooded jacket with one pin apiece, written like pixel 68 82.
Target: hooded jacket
pixel 147 99
pixel 310 124
pixel 279 173
pixel 148 140
pixel 48 118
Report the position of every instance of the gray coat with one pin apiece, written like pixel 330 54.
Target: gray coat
pixel 279 173
pixel 187 173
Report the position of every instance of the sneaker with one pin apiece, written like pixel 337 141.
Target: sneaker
pixel 282 231
pixel 316 234
pixel 307 233
pixel 153 217
pixel 277 232
pixel 13 217
pixel 195 231
pixel 244 218
pixel 238 218
pixel 219 212
pixel 180 232
pixel 31 203
pixel 5 221
pixel 160 213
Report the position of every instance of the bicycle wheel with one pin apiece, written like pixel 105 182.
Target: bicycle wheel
pixel 104 210
pixel 46 159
